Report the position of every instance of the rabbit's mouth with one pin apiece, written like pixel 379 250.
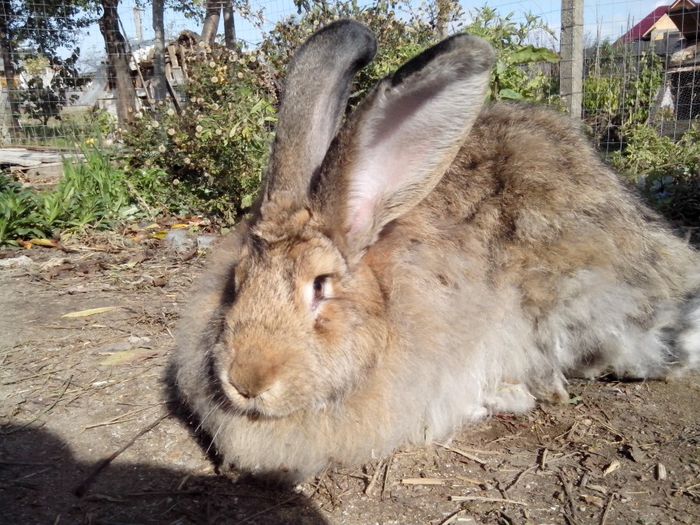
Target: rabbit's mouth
pixel 271 403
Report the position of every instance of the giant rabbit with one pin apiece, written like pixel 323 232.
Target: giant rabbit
pixel 425 262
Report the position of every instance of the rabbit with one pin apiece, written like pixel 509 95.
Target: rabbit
pixel 428 261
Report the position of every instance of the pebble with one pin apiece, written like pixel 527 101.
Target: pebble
pixel 16 262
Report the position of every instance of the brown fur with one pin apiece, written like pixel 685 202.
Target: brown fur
pixel 499 264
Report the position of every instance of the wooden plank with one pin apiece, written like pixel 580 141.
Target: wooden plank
pixel 178 76
pixel 172 53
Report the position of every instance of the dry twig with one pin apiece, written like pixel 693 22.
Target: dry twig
pixel 269 509
pixel 567 491
pixel 462 453
pixel 60 396
pixel 606 510
pixel 487 500
pixel 518 477
pixel 386 476
pixel 452 517
pixel 81 489
pixel 422 481
pixel 373 480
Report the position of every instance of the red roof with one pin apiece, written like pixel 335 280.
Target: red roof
pixel 642 28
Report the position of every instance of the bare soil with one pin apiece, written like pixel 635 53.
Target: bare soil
pixel 74 391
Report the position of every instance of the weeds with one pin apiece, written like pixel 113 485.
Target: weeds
pixel 668 171
pixel 91 193
pixel 19 217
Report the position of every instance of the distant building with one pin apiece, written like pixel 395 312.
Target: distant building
pixel 651 27
pixel 672 32
pixel 679 19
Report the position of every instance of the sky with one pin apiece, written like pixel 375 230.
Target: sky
pixel 609 19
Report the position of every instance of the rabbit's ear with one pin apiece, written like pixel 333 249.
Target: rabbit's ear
pixel 402 139
pixel 317 88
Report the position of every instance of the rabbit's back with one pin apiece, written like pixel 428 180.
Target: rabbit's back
pixel 602 281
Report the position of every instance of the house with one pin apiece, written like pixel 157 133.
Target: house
pixel 672 32
pixel 679 19
pixel 685 15
pixel 651 27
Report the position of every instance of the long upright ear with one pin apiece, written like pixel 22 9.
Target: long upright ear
pixel 317 88
pixel 402 139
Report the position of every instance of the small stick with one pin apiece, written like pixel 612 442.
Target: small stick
pixel 373 480
pixel 691 487
pixel 42 374
pixel 567 490
pixel 269 509
pixel 487 500
pixel 452 517
pixel 517 478
pixel 462 453
pixel 317 486
pixel 604 516
pixel 31 475
pixel 121 418
pixel 422 481
pixel 386 476
pixel 505 517
pixel 60 396
pixel 81 489
pixel 563 456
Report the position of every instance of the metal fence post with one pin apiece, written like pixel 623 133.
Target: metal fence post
pixel 571 65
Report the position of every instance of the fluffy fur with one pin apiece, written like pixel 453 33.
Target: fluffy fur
pixel 352 317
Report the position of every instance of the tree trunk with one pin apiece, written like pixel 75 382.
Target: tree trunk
pixel 118 61
pixel 211 20
pixel 229 25
pixel 159 86
pixel 10 120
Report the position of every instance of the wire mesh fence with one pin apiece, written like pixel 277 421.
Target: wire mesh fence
pixel 643 68
pixel 60 87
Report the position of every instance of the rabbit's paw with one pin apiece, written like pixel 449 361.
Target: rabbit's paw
pixel 510 398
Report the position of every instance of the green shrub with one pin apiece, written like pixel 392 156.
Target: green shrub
pixel 620 90
pixel 401 34
pixel 518 74
pixel 210 157
pixel 215 150
pixel 668 171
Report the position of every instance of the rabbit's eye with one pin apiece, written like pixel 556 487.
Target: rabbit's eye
pixel 319 287
pixel 322 289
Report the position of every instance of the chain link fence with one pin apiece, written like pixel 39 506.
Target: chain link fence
pixel 641 64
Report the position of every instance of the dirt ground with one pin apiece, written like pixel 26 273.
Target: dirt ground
pixel 77 390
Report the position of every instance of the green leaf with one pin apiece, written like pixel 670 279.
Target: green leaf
pixel 530 54
pixel 247 201
pixel 510 94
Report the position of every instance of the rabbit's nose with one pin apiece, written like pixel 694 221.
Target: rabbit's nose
pixel 249 382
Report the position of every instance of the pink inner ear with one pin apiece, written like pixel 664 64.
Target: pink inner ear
pixel 409 134
pixel 361 211
pixel 386 171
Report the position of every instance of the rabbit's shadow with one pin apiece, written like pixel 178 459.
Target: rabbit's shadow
pixel 39 475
